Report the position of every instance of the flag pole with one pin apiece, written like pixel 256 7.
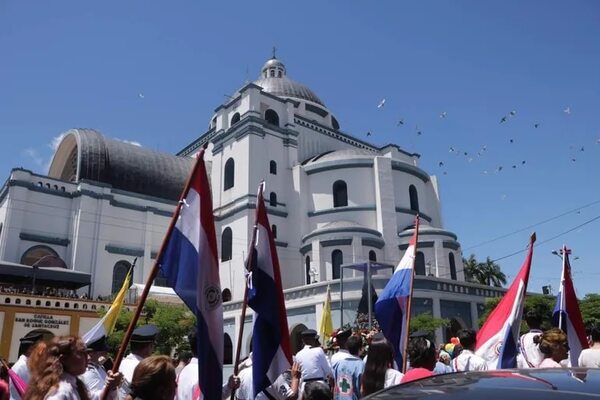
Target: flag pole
pixel 249 262
pixel 562 285
pixel 409 303
pixel 153 271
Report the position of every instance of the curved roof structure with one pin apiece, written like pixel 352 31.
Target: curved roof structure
pixel 275 81
pixel 87 154
pixel 345 154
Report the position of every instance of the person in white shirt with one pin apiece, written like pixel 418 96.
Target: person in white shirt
pixel 342 353
pixel 530 355
pixel 141 346
pixel 590 358
pixel 187 380
pixel 95 378
pixel 467 360
pixel 20 367
pixel 312 360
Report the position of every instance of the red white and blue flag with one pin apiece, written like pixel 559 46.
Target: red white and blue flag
pixel 271 352
pixel 498 338
pixel 190 265
pixel 567 315
pixel 392 307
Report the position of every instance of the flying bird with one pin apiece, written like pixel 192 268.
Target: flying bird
pixel 141 95
pixel 582 148
pixel 536 125
pixel 419 132
pixel 368 133
pixel 452 148
pixel 400 122
pixel 443 114
pixel 441 164
pixel 573 159
pixel 503 119
pixel 512 140
pixel 499 169
pixel 567 110
pixel 515 166
pixel 513 113
pixel 381 103
pixel 523 162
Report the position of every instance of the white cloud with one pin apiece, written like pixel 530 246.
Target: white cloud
pixel 138 144
pixel 56 141
pixel 34 156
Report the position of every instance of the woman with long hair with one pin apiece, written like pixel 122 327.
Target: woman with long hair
pixel 590 358
pixel 378 373
pixel 554 346
pixel 153 379
pixel 54 367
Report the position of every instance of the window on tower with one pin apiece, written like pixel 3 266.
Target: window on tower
pixel 273 199
pixel 337 258
pixel 226 244
pixel 272 117
pixel 414 198
pixel 340 194
pixel 229 174
pixel 273 167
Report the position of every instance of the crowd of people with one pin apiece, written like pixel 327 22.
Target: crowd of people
pixel 44 291
pixel 64 367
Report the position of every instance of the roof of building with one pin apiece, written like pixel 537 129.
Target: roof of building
pixel 281 85
pixel 87 154
pixel 345 154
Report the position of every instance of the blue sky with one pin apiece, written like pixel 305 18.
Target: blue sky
pixel 66 64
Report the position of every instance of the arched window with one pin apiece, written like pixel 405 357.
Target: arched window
pixel 274 231
pixel 35 253
pixel 414 198
pixel 228 350
pixel 307 269
pixel 337 258
pixel 335 123
pixel 226 295
pixel 272 73
pixel 226 244
pixel 420 264
pixel 272 117
pixel 273 199
pixel 235 119
pixel 372 256
pixel 273 167
pixel 229 174
pixel 340 194
pixel 119 274
pixel 452 266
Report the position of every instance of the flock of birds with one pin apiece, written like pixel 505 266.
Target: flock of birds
pixel 471 157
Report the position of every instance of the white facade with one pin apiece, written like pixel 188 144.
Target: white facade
pixel 106 202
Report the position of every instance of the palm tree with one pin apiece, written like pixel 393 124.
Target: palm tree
pixel 492 274
pixel 485 273
pixel 472 271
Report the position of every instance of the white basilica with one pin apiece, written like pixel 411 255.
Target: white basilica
pixel 332 200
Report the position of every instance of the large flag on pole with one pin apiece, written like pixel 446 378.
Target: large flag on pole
pixel 567 315
pixel 392 307
pixel 498 338
pixel 106 325
pixel 271 354
pixel 190 265
pixel 326 325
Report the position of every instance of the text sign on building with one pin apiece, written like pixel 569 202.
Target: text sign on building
pixel 26 322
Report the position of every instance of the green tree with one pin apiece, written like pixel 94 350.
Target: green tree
pixel 485 273
pixel 174 322
pixel 426 322
pixel 590 309
pixel 542 304
pixel 472 271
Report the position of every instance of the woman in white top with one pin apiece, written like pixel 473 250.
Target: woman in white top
pixel 553 345
pixel 54 367
pixel 378 373
pixel 591 357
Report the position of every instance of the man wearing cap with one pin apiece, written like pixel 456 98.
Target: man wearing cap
pixel 20 367
pixel 95 378
pixel 141 346
pixel 342 352
pixel 312 359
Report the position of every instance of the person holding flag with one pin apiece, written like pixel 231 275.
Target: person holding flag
pixel 392 309
pixel 498 338
pixel 271 354
pixel 188 261
pixel 567 315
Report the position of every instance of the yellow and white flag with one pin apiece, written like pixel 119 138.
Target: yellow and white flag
pixel 326 325
pixel 105 326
